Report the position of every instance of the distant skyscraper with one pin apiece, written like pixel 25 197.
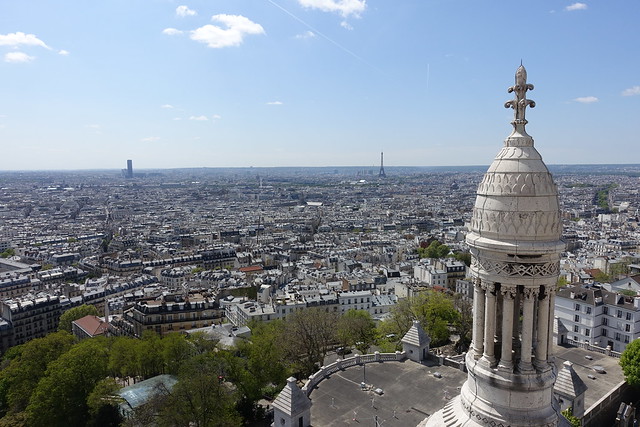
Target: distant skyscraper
pixel 515 244
pixel 129 168
pixel 382 174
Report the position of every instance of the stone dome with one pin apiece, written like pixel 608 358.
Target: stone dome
pixel 517 199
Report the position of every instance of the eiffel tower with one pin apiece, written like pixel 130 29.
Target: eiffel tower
pixel 381 174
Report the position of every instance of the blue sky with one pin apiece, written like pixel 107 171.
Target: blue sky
pixel 222 83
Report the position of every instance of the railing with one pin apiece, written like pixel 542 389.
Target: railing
pixel 606 351
pixel 340 364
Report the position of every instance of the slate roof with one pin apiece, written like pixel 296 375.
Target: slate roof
pixel 416 335
pixel 568 382
pixel 291 399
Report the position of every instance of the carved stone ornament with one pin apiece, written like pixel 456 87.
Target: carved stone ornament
pixel 508 291
pixel 530 293
pixel 520 103
pixel 515 269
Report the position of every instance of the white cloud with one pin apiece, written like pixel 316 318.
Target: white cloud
pixel 63 52
pixel 150 139
pixel 177 118
pixel 166 106
pixel 216 117
pixel 274 103
pixel 92 126
pixel 237 27
pixel 306 35
pixel 575 6
pixel 346 25
pixel 199 118
pixel 185 11
pixel 586 99
pixel 19 38
pixel 343 7
pixel 171 31
pixel 17 57
pixel 635 90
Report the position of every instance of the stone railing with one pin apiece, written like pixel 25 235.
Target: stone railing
pixel 606 351
pixel 340 364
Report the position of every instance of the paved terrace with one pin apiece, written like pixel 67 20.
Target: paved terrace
pixel 410 389
pixel 411 392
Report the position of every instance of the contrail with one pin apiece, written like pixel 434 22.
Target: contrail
pixel 335 43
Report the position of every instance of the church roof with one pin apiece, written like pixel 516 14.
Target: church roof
pixel 416 335
pixel 568 383
pixel 291 400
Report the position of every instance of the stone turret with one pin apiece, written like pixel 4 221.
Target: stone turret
pixel 515 250
pixel 292 407
pixel 415 343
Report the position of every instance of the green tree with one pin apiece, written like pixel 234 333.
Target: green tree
pixel 630 363
pixel 573 420
pixel 176 350
pixel 25 365
pixel 435 311
pixel 75 313
pixel 464 322
pixel 357 328
pixel 60 399
pixel 308 336
pixel 123 358
pixel 149 354
pixel 103 404
pixel 8 253
pixel 434 250
pixel 201 398
pixel 464 257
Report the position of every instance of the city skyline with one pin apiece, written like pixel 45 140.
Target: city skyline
pixel 174 84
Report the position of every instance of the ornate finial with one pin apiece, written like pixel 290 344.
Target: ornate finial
pixel 520 103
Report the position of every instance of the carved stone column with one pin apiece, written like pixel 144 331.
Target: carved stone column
pixel 527 329
pixel 489 323
pixel 478 320
pixel 508 295
pixel 552 302
pixel 543 330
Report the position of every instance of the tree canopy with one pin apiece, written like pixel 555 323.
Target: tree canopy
pixel 435 311
pixel 434 250
pixel 630 363
pixel 357 328
pixel 75 313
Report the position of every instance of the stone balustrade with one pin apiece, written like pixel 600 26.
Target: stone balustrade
pixel 342 364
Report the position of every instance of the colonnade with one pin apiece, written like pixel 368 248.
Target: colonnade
pixel 516 319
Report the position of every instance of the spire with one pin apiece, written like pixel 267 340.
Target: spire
pixel 520 103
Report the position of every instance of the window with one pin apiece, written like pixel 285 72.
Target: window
pixel 588 310
pixel 576 318
pixel 605 321
pixel 605 310
pixel 577 307
pixel 587 332
pixel 617 336
pixel 627 328
pixel 626 339
pixel 604 332
pixel 619 314
pixel 575 328
pixel 628 316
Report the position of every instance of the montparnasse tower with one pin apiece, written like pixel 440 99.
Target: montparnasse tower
pixel 515 244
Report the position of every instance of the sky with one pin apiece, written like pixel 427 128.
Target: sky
pixel 239 83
